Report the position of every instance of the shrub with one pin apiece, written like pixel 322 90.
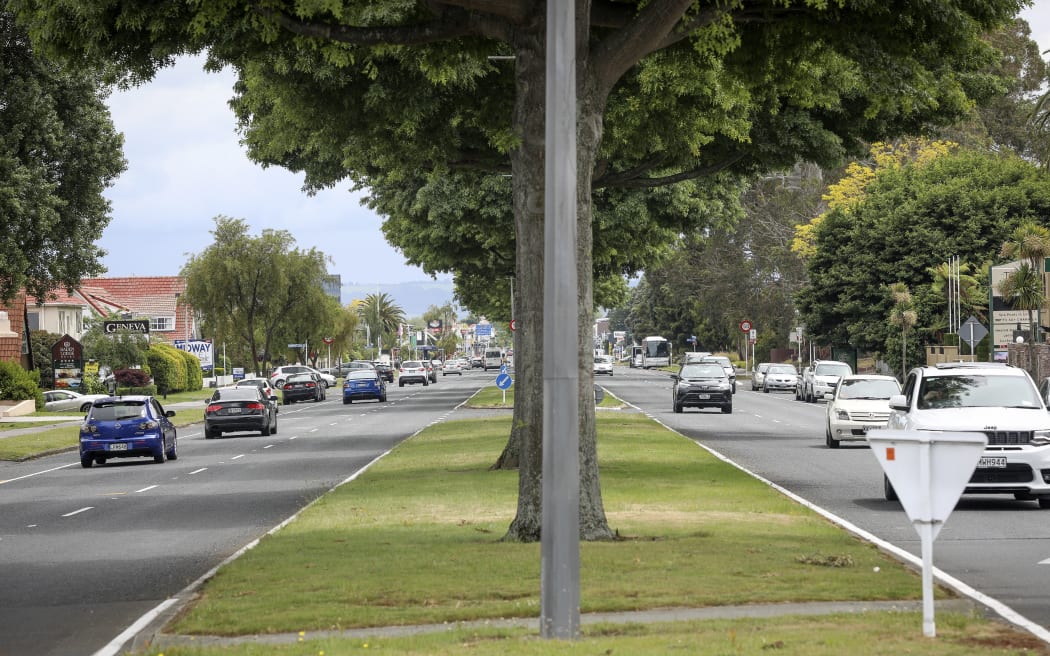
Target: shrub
pixel 17 384
pixel 168 367
pixel 131 377
pixel 194 374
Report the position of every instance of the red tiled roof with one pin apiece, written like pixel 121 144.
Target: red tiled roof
pixel 153 296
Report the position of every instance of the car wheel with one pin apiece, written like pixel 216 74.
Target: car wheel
pixel 382 397
pixel 159 457
pixel 400 383
pixel 678 408
pixel 273 430
pixel 727 409
pixel 828 439
pixel 345 401
pixel 266 429
pixel 99 460
pixel 887 489
pixel 85 407
pixel 208 434
pixel 173 452
pixel 86 462
pixel 1044 502
pixel 765 389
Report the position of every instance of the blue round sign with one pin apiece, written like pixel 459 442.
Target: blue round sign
pixel 504 381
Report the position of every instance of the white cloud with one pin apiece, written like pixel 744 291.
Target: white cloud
pixel 186 166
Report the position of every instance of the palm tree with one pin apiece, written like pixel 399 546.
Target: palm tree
pixel 381 316
pixel 973 295
pixel 1024 289
pixel 902 315
pixel 1029 242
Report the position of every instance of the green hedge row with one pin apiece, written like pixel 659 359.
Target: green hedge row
pixel 174 370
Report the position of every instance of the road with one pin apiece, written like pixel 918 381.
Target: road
pixel 87 552
pixel 993 543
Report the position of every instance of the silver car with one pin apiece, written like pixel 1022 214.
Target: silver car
pixel 780 378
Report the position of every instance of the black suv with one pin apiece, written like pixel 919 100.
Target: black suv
pixel 702 385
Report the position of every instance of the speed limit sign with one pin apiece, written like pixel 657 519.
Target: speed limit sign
pixel 745 326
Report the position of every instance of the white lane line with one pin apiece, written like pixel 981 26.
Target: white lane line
pixel 197 471
pixel 269 446
pixel 1045 562
pixel 145 489
pixel 77 512
pixel 292 437
pixel 314 430
pixel 12 480
pixel 235 457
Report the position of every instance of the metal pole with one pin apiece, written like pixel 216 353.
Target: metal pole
pixel 560 525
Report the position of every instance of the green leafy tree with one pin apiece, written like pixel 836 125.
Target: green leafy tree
pixel 912 219
pixel 119 350
pixel 904 317
pixel 58 152
pixel 43 341
pixel 255 290
pixel 668 91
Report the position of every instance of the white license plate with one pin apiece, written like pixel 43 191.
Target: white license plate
pixel 703 396
pixel 992 462
pixel 118 446
pixel 234 411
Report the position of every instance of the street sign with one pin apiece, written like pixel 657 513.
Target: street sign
pixel 972 332
pixel 328 340
pixel 745 326
pixel 503 368
pixel 513 324
pixel 504 381
pixel 297 346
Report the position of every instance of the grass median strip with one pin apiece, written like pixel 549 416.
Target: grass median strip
pixel 416 540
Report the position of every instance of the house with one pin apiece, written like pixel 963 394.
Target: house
pixel 14 344
pixel 156 298
pixel 62 315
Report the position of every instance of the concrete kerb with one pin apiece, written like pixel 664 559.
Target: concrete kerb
pixel 147 632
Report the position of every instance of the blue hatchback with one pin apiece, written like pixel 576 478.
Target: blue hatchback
pixel 364 384
pixel 127 427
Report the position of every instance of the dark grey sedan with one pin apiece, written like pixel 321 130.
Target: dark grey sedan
pixel 232 409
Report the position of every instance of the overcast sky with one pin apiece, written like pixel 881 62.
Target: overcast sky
pixel 185 166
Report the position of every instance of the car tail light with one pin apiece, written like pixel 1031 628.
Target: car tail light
pixel 287 386
pixel 214 407
pixel 148 425
pixel 311 385
pixel 254 406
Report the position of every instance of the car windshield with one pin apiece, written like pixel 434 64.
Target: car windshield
pixel 832 370
pixel 299 378
pixel 601 359
pixel 362 374
pixel 781 369
pixel 255 382
pixel 977 391
pixel 702 371
pixel 868 389
pixel 411 364
pixel 236 394
pixel 119 410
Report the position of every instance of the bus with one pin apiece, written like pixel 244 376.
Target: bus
pixel 655 352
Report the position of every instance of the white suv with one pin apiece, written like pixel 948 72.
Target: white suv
pixel 280 373
pixel 997 400
pixel 822 377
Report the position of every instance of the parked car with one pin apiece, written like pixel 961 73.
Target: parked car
pixel 821 378
pixel 758 375
pixel 386 370
pixel 244 408
pixel 69 401
pixel 127 427
pixel 363 384
pixel 858 404
pixel 411 372
pixel 780 377
pixel 998 400
pixel 702 385
pixel 603 365
pixel 280 374
pixel 727 366
pixel 431 370
pixel 302 387
pixel 477 362
pixel 452 367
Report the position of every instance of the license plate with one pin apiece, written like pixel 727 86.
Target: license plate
pixel 118 446
pixel 703 396
pixel 992 462
pixel 233 411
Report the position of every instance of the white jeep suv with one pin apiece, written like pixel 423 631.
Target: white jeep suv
pixel 997 400
pixel 822 377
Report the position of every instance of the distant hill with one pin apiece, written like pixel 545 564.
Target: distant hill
pixel 413 297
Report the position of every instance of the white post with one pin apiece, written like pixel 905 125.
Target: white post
pixel 925 522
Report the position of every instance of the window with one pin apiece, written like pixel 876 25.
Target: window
pixel 162 324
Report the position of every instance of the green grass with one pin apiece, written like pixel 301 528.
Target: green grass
pixel 492 397
pixel 417 539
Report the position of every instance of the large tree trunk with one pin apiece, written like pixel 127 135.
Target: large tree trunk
pixel 524 447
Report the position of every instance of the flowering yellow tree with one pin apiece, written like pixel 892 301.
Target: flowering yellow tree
pixel 850 190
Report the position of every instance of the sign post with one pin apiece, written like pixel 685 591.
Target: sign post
pixel 928 472
pixel 504 381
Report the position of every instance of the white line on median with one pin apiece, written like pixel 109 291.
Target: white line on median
pixel 77 512
pixel 197 471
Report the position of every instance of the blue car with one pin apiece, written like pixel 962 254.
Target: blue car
pixel 364 384
pixel 127 427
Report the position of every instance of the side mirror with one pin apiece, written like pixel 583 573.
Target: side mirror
pixel 829 396
pixel 169 413
pixel 899 402
pixel 674 377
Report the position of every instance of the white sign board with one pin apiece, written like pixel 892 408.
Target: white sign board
pixel 199 347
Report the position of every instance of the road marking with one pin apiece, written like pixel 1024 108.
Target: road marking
pixel 77 512
pixel 235 457
pixel 269 446
pixel 12 480
pixel 314 430
pixel 197 471
pixel 1045 562
pixel 145 489
pixel 292 437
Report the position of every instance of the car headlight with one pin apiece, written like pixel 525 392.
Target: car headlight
pixel 1040 437
pixel 841 415
pixel 724 385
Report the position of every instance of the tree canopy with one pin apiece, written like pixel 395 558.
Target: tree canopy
pixel 58 152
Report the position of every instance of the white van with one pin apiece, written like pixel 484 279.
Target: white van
pixel 493 359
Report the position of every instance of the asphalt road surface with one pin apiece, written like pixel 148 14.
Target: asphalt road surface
pixel 993 543
pixel 87 552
